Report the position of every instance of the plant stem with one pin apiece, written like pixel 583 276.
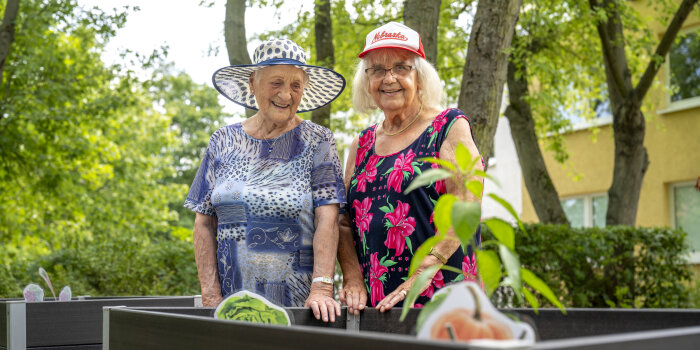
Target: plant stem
pixel 477 303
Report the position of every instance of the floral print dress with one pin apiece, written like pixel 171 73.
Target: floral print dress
pixel 388 225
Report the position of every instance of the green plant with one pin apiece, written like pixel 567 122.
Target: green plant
pixel 110 266
pixel 497 261
pixel 615 266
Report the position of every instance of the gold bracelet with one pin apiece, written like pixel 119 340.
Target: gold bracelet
pixel 439 256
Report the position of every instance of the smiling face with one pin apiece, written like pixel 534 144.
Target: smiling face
pixel 393 93
pixel 278 91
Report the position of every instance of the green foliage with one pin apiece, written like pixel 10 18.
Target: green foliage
pixel 94 162
pixel 117 266
pixel 616 266
pixel 497 260
pixel 195 113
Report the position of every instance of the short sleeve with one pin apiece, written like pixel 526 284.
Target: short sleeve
pixel 327 185
pixel 199 197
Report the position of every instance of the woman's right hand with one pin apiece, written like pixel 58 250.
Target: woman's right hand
pixel 353 295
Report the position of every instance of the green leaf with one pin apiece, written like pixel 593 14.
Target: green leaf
pixel 476 187
pixel 481 173
pixel 441 162
pixel 502 230
pixel 465 219
pixel 422 279
pixel 451 268
pixel 442 216
pixel 422 252
pixel 511 262
pixel 429 308
pixel 474 161
pixel 504 203
pixel 531 299
pixel 385 209
pixel 389 263
pixel 489 269
pixel 537 284
pixel 428 177
pixel 408 243
pixel 464 158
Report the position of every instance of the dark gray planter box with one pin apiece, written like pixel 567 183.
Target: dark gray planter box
pixel 194 328
pixel 75 324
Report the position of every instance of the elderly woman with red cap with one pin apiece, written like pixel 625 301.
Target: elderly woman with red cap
pixel 269 190
pixel 383 226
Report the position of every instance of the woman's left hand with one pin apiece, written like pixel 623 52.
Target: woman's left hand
pixel 323 305
pixel 400 293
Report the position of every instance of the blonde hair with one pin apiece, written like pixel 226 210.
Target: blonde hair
pixel 430 92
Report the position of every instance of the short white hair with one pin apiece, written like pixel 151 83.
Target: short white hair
pixel 430 93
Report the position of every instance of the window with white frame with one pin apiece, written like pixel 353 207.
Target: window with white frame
pixel 586 211
pixel 685 209
pixel 684 67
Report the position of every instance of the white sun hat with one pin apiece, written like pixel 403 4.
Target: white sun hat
pixel 323 87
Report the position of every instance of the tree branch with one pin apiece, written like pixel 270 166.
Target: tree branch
pixel 607 51
pixel 664 46
pixel 7 33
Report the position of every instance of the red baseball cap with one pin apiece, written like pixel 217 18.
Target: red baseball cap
pixel 394 35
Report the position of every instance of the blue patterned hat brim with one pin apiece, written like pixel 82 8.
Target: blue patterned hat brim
pixel 324 85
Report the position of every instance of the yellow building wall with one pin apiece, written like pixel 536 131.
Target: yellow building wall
pixel 673 145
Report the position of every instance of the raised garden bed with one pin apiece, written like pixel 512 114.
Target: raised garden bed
pixel 189 328
pixel 75 324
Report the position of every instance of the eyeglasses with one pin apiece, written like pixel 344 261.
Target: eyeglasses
pixel 398 70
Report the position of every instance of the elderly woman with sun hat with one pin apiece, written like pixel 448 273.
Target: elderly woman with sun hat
pixel 269 189
pixel 383 226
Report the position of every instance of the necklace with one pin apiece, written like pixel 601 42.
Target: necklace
pixel 267 141
pixel 406 127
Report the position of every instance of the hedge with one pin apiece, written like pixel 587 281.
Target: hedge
pixel 109 267
pixel 615 266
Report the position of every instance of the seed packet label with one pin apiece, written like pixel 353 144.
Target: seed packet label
pixel 465 314
pixel 250 307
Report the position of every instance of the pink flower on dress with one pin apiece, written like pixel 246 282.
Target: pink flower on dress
pixel 364 144
pixel 375 284
pixel 436 283
pixel 401 164
pixel 362 215
pixel 469 267
pixel 439 185
pixel 369 175
pixel 402 226
pixel 438 123
pixel 432 221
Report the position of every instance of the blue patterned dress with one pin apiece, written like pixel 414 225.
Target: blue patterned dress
pixel 263 193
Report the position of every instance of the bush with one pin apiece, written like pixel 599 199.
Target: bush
pixel 615 266
pixel 110 267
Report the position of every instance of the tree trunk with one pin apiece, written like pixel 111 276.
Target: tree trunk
pixel 539 185
pixel 7 33
pixel 234 35
pixel 631 159
pixel 323 28
pixel 485 68
pixel 423 16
